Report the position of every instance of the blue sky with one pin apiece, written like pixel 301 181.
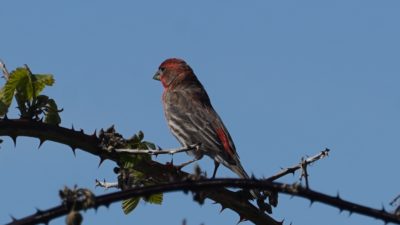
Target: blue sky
pixel 289 78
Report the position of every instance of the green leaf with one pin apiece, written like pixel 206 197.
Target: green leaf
pixel 149 145
pixel 24 86
pixel 22 82
pixel 18 81
pixel 40 81
pixel 134 140
pixel 130 204
pixel 3 107
pixel 52 116
pixel 155 199
pixel 41 101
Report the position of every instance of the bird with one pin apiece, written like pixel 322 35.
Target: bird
pixel 192 118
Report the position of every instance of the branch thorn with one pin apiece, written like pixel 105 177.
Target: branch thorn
pixel 101 160
pixel 14 139
pixel 73 148
pixel 13 218
pixel 41 141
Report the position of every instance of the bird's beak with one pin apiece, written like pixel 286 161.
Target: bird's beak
pixel 157 76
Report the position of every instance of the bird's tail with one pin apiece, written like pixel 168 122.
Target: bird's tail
pixel 238 169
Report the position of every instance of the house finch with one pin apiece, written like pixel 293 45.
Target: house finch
pixel 193 120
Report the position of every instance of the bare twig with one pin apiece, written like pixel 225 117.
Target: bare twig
pixel 393 202
pixel 293 169
pixel 396 203
pixel 6 74
pixel 106 185
pixel 209 184
pixel 304 173
pixel 159 152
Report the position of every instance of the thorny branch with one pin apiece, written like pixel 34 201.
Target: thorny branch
pixel 209 184
pixel 291 170
pixel 159 172
pixel 166 173
pixel 282 173
pixel 158 151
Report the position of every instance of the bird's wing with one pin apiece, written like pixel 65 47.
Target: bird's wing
pixel 204 120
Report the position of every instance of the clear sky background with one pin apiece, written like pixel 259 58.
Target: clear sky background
pixel 289 78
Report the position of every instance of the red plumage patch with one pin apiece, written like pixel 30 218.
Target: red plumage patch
pixel 225 142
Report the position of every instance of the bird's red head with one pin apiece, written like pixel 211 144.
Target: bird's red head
pixel 174 71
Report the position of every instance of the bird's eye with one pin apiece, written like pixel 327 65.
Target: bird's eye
pixel 162 69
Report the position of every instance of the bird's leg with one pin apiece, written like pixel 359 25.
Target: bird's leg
pixel 179 167
pixel 198 156
pixel 216 165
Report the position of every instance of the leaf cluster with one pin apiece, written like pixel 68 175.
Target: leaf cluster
pixel 130 178
pixel 26 87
